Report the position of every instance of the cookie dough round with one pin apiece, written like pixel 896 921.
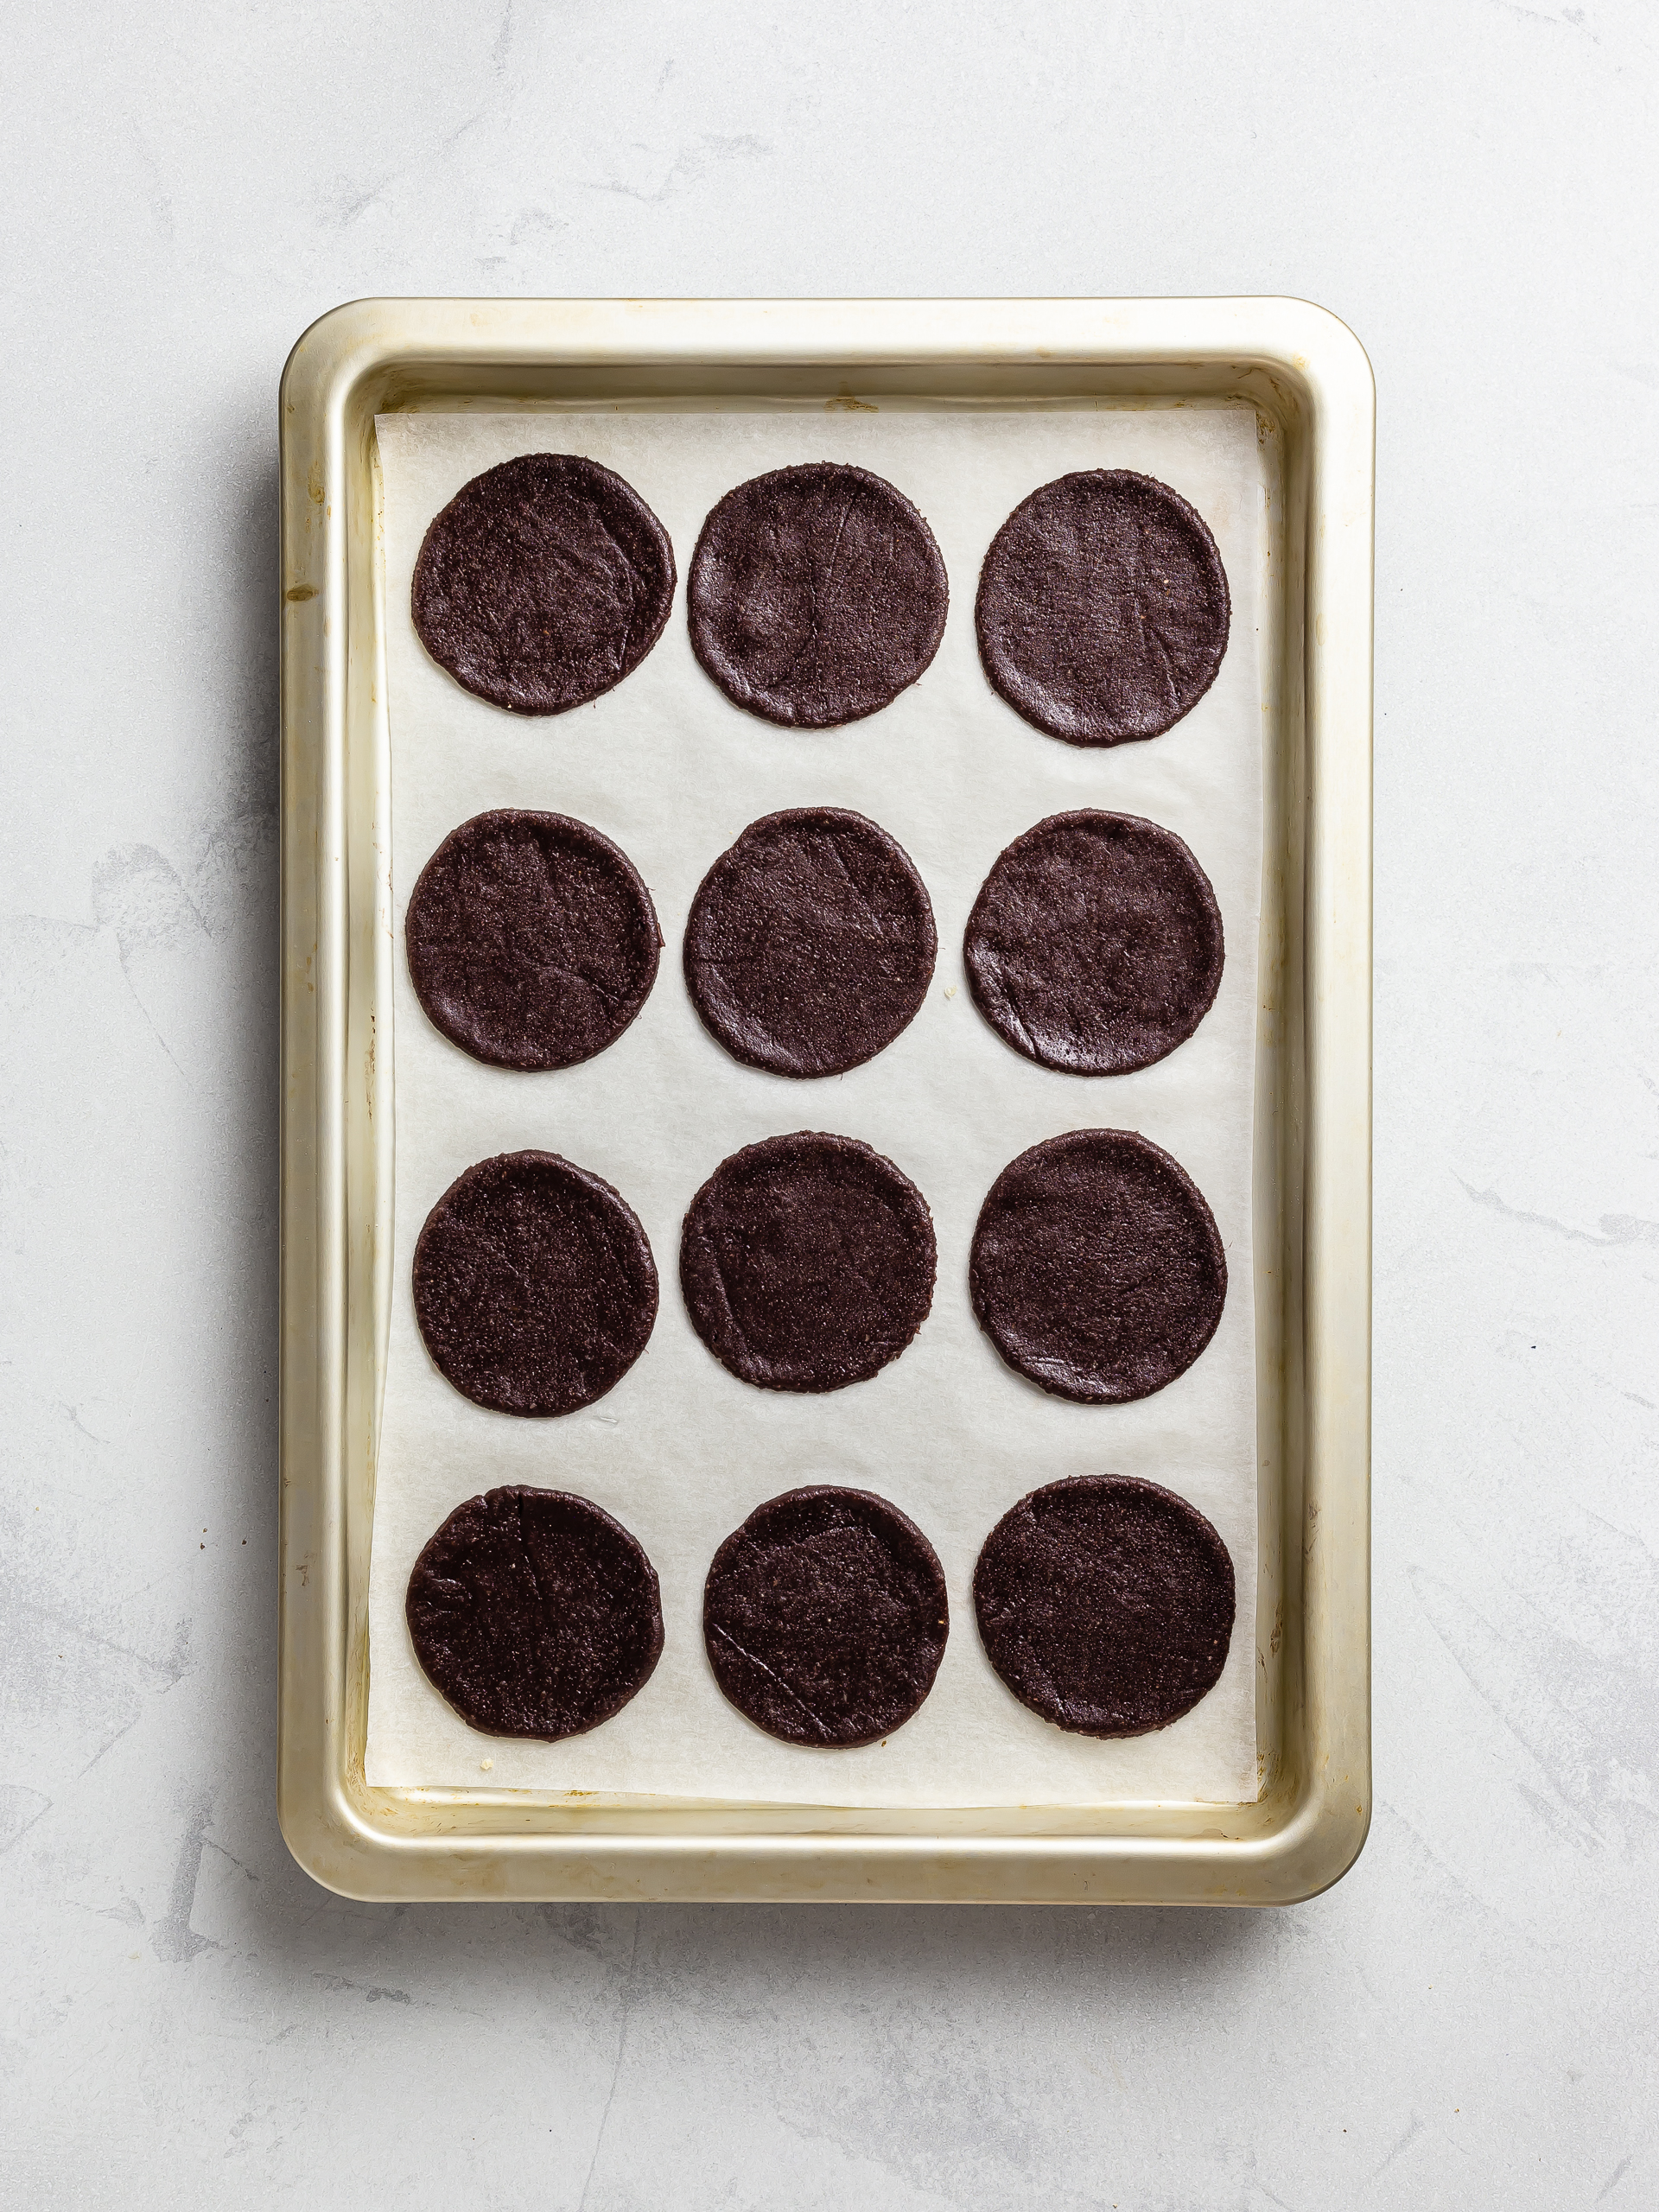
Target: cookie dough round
pixel 1094 945
pixel 534 1613
pixel 543 583
pixel 532 942
pixel 817 594
pixel 535 1289
pixel 1103 609
pixel 1106 1605
pixel 824 1616
pixel 807 1263
pixel 811 943
pixel 1097 1269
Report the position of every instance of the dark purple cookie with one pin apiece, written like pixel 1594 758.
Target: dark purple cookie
pixel 811 943
pixel 532 942
pixel 535 1289
pixel 1103 609
pixel 807 1263
pixel 1094 946
pixel 1097 1269
pixel 543 583
pixel 817 594
pixel 534 1614
pixel 824 1616
pixel 1106 1605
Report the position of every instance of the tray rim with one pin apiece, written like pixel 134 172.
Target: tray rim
pixel 1303 367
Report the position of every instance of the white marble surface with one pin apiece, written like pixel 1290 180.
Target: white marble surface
pixel 1469 2019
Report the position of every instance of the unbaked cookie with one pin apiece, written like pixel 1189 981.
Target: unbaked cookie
pixel 532 942
pixel 1105 1603
pixel 807 1263
pixel 1103 609
pixel 1097 1268
pixel 824 1616
pixel 543 583
pixel 534 1613
pixel 535 1289
pixel 817 594
pixel 1094 945
pixel 811 943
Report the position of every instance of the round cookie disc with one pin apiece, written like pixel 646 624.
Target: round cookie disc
pixel 532 942
pixel 534 1613
pixel 807 1263
pixel 1094 945
pixel 1106 1605
pixel 824 1616
pixel 535 1289
pixel 1103 610
pixel 1097 1269
pixel 811 943
pixel 817 594
pixel 543 583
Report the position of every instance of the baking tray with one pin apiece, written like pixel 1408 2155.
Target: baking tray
pixel 1309 381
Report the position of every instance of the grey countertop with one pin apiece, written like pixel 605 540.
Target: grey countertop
pixel 1469 2018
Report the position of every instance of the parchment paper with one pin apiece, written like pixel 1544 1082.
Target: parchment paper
pixel 681 1452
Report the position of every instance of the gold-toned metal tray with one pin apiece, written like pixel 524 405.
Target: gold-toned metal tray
pixel 1309 381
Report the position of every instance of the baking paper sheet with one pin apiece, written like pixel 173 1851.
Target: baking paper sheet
pixel 681 1452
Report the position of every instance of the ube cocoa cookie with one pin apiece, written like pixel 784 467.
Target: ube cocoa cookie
pixel 817 594
pixel 1103 609
pixel 811 943
pixel 1094 945
pixel 1097 1268
pixel 824 1616
pixel 532 942
pixel 1106 1605
pixel 535 1289
pixel 534 1613
pixel 543 583
pixel 807 1263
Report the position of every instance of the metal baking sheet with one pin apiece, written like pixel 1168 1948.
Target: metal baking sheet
pixel 904 362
